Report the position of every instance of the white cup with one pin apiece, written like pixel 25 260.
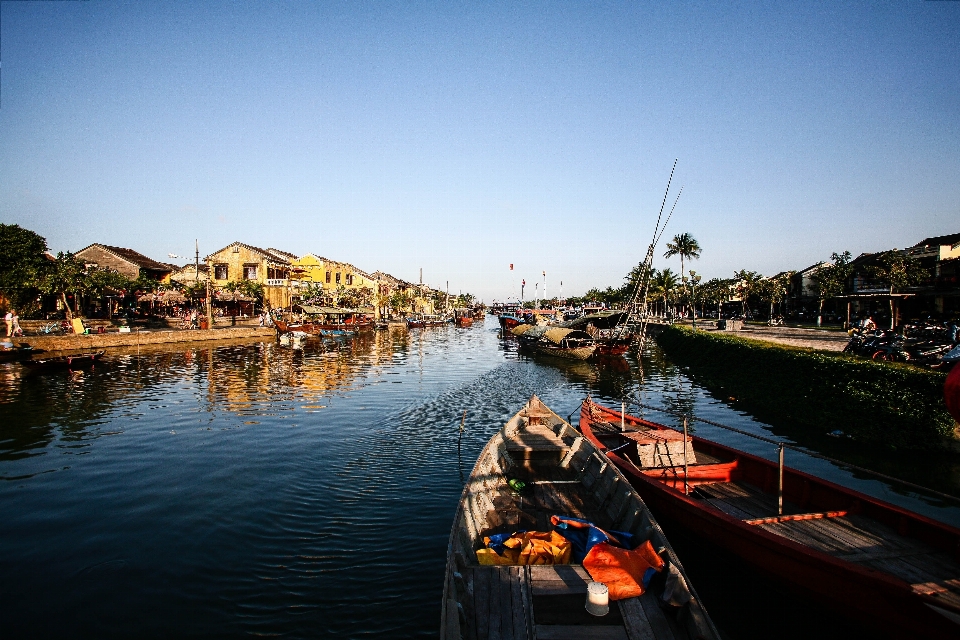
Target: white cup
pixel 598 598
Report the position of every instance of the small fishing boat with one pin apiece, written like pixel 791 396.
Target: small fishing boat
pixel 509 320
pixel 606 330
pixel 463 317
pixel 895 570
pixel 550 541
pixel 10 353
pixel 420 320
pixel 328 319
pixel 556 341
pixel 64 362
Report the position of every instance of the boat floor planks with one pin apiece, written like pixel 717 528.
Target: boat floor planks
pixel 891 567
pixel 564 475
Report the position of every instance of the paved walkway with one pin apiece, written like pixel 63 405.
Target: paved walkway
pixel 821 339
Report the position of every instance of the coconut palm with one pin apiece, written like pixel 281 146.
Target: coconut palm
pixel 685 246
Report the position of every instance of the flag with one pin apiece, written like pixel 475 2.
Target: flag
pixel 523 282
pixel 511 266
pixel 544 274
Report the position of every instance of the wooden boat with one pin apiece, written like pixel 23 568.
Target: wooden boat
pixel 419 320
pixel 894 569
pixel 64 362
pixel 604 327
pixel 328 319
pixel 556 341
pixel 463 317
pixel 509 320
pixel 12 353
pixel 564 475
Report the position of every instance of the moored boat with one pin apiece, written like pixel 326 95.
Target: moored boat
pixel 895 570
pixel 463 317
pixel 323 320
pixel 10 353
pixel 556 341
pixel 509 320
pixel 550 541
pixel 419 320
pixel 64 362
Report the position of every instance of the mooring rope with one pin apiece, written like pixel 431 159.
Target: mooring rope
pixel 785 445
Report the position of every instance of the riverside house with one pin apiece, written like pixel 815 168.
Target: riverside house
pixel 329 274
pixel 127 262
pixel 239 262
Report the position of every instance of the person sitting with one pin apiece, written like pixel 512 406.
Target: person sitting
pixel 869 324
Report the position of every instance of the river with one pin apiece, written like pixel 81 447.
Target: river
pixel 256 489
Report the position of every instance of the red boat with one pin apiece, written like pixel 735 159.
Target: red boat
pixel 326 319
pixel 894 569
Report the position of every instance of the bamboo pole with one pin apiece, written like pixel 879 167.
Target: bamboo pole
pixel 780 483
pixel 686 488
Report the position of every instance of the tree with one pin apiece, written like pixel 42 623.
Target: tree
pixel 829 280
pixel 685 246
pixel 694 281
pixel 663 285
pixel 716 291
pixel 897 271
pixel 102 282
pixel 746 284
pixel 775 289
pixel 65 275
pixel 22 264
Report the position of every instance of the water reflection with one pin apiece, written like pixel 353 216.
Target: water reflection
pixel 256 488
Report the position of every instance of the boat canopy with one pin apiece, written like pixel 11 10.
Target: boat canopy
pixel 557 335
pixel 521 329
pixel 602 320
pixel 312 310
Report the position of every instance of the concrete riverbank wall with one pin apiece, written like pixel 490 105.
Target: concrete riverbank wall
pixel 96 341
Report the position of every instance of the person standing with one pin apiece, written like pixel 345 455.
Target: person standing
pixel 15 322
pixel 9 320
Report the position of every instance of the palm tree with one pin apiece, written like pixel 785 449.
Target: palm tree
pixel 663 284
pixel 685 246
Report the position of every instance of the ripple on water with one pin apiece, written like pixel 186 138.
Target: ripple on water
pixel 259 490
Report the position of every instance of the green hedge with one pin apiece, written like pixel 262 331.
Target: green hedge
pixel 882 403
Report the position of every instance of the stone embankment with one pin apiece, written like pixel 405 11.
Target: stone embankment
pixel 93 341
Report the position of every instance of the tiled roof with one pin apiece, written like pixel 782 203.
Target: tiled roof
pixel 275 254
pixel 938 241
pixel 133 257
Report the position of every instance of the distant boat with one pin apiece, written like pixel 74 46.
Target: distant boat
pixel 894 569
pixel 9 352
pixel 419 320
pixel 556 341
pixel 463 317
pixel 64 362
pixel 328 319
pixel 537 480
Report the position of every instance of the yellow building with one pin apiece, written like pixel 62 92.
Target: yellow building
pixel 239 262
pixel 330 274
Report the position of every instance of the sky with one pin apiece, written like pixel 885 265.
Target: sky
pixel 460 138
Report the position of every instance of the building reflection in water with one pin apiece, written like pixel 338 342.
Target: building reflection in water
pixel 70 409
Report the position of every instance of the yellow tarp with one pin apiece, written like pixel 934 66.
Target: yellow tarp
pixel 532 547
pixel 521 329
pixel 557 334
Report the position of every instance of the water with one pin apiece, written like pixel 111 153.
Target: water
pixel 255 489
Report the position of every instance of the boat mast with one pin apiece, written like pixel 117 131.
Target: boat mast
pixel 637 309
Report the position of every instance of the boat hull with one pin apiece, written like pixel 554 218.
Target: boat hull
pixel 877 598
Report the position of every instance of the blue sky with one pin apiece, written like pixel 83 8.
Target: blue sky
pixel 461 138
